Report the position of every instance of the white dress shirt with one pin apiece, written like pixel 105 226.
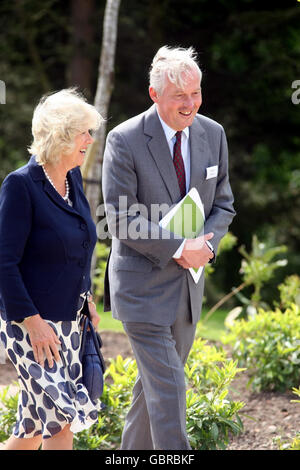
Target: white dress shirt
pixel 185 148
pixel 186 156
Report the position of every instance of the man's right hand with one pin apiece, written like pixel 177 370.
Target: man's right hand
pixel 196 253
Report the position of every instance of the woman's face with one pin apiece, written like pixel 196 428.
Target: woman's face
pixel 81 143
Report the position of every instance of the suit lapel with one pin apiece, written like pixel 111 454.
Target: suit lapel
pixel 53 194
pixel 199 155
pixel 38 174
pixel 160 152
pixel 74 192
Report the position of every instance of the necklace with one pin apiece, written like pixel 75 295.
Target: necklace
pixel 66 196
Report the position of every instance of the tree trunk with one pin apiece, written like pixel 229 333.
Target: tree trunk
pixel 92 167
pixel 81 66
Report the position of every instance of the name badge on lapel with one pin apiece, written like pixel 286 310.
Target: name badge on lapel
pixel 211 172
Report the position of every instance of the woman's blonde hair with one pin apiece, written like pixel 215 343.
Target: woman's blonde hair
pixel 174 63
pixel 56 121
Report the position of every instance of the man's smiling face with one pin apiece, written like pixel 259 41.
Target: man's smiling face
pixel 178 106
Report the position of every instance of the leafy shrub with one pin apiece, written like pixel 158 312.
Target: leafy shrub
pixel 257 268
pixel 102 252
pixel 295 444
pixel 268 345
pixel 211 415
pixel 201 362
pixel 289 291
pixel 259 265
pixel 8 413
pixel 120 377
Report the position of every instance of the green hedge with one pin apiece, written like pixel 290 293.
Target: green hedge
pixel 211 415
pixel 268 345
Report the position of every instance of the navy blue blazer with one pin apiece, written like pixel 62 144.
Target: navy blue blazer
pixel 46 245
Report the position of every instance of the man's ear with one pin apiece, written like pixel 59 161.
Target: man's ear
pixel 153 94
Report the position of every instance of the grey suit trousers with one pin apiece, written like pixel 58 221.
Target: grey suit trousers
pixel 157 417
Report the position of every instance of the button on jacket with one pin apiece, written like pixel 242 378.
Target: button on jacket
pixel 46 245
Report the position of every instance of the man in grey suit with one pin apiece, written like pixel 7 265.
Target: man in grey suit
pixel 151 161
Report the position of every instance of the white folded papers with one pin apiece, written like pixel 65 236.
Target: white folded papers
pixel 186 219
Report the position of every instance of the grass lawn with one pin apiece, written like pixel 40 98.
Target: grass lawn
pixel 211 330
pixel 214 327
pixel 107 322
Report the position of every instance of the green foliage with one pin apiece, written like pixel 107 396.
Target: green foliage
pixel 297 392
pixel 201 362
pixel 268 345
pixel 108 322
pixel 214 328
pixel 226 244
pixel 7 413
pixel 211 415
pixel 256 269
pixel 102 252
pixel 287 445
pixel 249 47
pixel 117 398
pixel 119 380
pixel 86 440
pixel 289 291
pixel 257 266
pixel 295 444
pixel 27 67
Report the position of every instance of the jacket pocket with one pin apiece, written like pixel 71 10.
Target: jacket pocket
pixel 131 263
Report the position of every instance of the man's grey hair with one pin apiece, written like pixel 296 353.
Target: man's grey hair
pixel 174 63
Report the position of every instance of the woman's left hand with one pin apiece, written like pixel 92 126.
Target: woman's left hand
pixel 93 314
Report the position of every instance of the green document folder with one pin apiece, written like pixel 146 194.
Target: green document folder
pixel 187 221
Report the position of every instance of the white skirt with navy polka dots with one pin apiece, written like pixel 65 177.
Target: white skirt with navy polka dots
pixel 49 398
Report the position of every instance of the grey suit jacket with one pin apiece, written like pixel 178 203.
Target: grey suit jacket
pixel 143 282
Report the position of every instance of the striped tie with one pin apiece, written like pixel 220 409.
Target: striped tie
pixel 179 165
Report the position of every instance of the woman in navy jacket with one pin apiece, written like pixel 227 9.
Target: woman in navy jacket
pixel 47 238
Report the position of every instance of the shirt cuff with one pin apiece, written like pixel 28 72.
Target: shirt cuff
pixel 179 251
pixel 211 249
